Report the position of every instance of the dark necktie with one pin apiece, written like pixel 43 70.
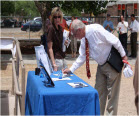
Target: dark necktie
pixel 87 59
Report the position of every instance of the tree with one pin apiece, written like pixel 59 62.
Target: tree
pixel 19 8
pixel 26 8
pixel 7 8
pixel 95 7
pixel 45 7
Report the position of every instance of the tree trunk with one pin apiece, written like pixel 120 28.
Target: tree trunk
pixel 42 8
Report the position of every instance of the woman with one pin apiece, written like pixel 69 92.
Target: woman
pixel 73 42
pixel 55 40
pixel 122 30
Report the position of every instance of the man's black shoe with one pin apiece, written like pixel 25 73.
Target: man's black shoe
pixel 130 56
pixel 133 56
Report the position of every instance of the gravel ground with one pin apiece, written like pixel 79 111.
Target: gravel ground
pixel 17 33
pixel 126 100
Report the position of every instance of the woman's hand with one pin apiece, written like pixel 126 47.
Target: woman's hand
pixel 55 67
pixel 66 42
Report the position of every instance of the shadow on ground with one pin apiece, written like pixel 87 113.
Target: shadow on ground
pixel 4 102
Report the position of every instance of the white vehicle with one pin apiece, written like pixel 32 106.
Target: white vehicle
pixel 68 20
pixel 37 18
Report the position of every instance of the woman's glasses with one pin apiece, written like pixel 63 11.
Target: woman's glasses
pixel 55 17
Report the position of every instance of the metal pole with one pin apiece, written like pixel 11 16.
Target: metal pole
pixel 29 30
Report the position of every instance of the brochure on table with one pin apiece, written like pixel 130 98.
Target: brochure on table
pixel 77 84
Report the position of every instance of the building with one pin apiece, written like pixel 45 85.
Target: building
pixel 122 7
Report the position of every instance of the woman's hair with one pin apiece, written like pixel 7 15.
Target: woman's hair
pixel 56 11
pixel 132 15
pixel 77 24
pixel 120 18
pixel 73 17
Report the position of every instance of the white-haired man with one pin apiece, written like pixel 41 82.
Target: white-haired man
pixel 107 78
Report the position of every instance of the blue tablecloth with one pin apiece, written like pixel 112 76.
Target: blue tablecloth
pixel 61 99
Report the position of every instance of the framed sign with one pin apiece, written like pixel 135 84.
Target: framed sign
pixel 42 56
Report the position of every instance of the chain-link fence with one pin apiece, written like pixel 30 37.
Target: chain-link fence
pixel 14 26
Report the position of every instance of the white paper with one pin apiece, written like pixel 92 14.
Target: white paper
pixel 77 84
pixel 63 75
pixel 66 75
pixel 63 79
pixel 127 71
pixel 65 37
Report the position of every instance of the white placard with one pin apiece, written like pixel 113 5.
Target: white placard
pixel 65 37
pixel 42 56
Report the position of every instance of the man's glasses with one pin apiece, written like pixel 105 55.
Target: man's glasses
pixel 55 17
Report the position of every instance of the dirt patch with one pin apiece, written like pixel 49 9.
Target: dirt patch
pixel 126 104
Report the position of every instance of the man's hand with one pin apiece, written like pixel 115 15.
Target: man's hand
pixel 130 29
pixel 108 25
pixel 121 33
pixel 66 71
pixel 125 58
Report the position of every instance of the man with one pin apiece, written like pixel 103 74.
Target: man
pixel 122 29
pixel 134 28
pixel 108 25
pixel 100 42
pixel 135 84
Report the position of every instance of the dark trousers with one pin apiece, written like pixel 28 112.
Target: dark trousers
pixel 123 40
pixel 133 40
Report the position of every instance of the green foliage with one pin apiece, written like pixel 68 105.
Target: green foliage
pixel 72 12
pixel 19 8
pixel 95 7
pixel 26 8
pixel 74 8
pixel 7 8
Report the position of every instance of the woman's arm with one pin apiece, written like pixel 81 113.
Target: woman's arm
pixel 51 54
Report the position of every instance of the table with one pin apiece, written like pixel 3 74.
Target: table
pixel 61 99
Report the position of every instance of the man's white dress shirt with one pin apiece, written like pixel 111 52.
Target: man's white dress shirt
pixel 123 26
pixel 100 43
pixel 134 26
